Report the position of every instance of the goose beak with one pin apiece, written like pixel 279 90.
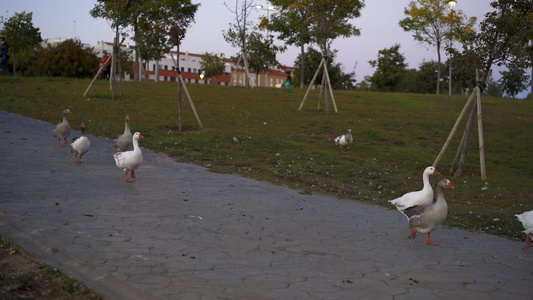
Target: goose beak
pixel 141 136
pixel 436 172
pixel 450 185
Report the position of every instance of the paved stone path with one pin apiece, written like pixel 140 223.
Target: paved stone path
pixel 182 232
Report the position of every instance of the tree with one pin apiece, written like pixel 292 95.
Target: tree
pixel 236 34
pixel 494 88
pixel 433 22
pixel 23 38
pixel 503 40
pixel 391 68
pixel 178 17
pixel 262 52
pixel 292 21
pixel 514 81
pixel 330 19
pixel 309 61
pixel 66 59
pixel 212 64
pixel 464 66
pixel 426 77
pixel 312 59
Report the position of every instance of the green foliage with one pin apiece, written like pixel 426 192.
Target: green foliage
pixel 504 39
pixel 395 137
pixel 300 22
pixel 464 66
pixel 391 68
pixel 236 34
pixel 494 88
pixel 157 25
pixel 514 80
pixel 67 59
pixel 261 52
pixel 426 77
pixel 180 18
pixel 22 37
pixel 212 64
pixel 291 20
pixel 330 19
pixel 312 58
pixel 433 22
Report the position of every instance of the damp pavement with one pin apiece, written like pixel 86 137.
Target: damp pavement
pixel 182 232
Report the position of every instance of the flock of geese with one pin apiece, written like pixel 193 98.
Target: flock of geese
pixel 423 214
pixel 128 155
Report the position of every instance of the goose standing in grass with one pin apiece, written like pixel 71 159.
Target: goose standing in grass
pixel 80 145
pixel 344 140
pixel 124 141
pixel 425 218
pixel 62 130
pixel 527 221
pixel 130 160
pixel 422 197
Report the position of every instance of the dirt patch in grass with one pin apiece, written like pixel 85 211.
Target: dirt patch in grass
pixel 25 277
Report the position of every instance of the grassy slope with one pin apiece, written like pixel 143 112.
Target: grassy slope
pixel 396 137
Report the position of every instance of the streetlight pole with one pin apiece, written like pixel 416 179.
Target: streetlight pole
pixel 451 4
pixel 268 10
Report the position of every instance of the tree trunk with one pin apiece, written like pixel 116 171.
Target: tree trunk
pixel 180 114
pixel 438 68
pixel 302 66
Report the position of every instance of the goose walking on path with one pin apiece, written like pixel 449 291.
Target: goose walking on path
pixel 425 218
pixel 422 197
pixel 62 130
pixel 527 221
pixel 80 145
pixel 124 141
pixel 344 140
pixel 130 160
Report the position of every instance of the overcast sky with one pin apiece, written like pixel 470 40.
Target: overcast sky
pixel 378 23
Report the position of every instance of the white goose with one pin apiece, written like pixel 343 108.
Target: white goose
pixel 124 141
pixel 80 145
pixel 62 130
pixel 527 221
pixel 130 160
pixel 425 218
pixel 422 197
pixel 344 140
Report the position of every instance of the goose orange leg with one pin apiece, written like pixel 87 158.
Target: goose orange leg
pixel 429 242
pixel 127 178
pixel 413 231
pixel 132 173
pixel 528 241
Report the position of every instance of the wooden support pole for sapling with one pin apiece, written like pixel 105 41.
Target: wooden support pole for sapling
pixel 98 73
pixel 187 92
pixel 311 84
pixel 328 82
pixel 480 133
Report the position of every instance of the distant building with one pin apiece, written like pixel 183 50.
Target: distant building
pixel 189 65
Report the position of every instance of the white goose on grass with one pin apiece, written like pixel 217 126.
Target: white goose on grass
pixel 124 141
pixel 344 140
pixel 80 145
pixel 130 160
pixel 422 197
pixel 425 218
pixel 62 130
pixel 526 219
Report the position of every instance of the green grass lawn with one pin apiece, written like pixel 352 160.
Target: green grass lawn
pixel 395 137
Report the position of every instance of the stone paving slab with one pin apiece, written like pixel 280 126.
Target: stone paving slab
pixel 182 232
